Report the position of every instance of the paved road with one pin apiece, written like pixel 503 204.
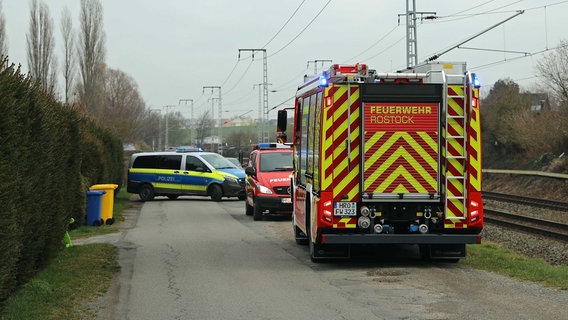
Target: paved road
pixel 197 259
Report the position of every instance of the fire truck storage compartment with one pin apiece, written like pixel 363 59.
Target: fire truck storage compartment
pixel 396 113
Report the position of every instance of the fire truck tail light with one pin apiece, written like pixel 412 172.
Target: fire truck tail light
pixel 475 208
pixel 328 211
pixel 328 101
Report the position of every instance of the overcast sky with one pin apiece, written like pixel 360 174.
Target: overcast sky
pixel 173 48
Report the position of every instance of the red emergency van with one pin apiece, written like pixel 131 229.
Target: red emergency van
pixel 268 173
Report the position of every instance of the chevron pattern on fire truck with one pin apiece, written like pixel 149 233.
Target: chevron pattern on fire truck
pixel 455 159
pixel 345 223
pixel 337 166
pixel 474 147
pixel 401 162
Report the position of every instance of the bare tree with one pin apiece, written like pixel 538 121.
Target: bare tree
pixel 92 56
pixel 203 127
pixel 553 69
pixel 124 107
pixel 148 131
pixel 3 38
pixel 68 54
pixel 40 46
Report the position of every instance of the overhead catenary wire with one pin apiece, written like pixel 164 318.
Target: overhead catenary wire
pixel 273 37
pixel 487 65
pixel 494 11
pixel 285 24
pixel 248 67
pixel 302 31
pixel 374 44
pixel 240 79
pixel 458 16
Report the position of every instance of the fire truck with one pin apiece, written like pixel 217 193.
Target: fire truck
pixel 387 158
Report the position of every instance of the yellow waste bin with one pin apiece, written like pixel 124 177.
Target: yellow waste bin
pixel 107 201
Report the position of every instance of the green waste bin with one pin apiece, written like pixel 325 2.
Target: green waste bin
pixel 107 202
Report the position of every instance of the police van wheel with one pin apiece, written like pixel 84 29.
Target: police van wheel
pixel 146 193
pixel 216 192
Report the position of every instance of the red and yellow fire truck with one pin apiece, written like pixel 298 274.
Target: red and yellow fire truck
pixel 387 158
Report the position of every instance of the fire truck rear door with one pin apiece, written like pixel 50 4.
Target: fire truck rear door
pixel 401 155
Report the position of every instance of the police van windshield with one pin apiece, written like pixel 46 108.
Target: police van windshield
pixel 276 161
pixel 218 161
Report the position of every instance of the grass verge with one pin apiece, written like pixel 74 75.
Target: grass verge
pixel 489 256
pixel 77 276
pixel 63 290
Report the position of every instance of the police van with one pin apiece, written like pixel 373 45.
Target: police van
pixel 173 174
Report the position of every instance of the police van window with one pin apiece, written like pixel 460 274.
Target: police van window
pixel 194 164
pixel 171 162
pixel 145 162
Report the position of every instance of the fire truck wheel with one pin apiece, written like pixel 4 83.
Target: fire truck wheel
pixel 256 212
pixel 299 235
pixel 313 249
pixel 216 192
pixel 248 209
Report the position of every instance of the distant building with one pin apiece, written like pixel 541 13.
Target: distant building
pixel 238 122
pixel 537 101
pixel 211 140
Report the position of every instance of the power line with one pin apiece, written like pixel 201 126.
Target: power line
pixel 241 78
pixel 386 48
pixel 443 19
pixel 484 66
pixel 230 73
pixel 474 7
pixel 286 23
pixel 374 44
pixel 437 55
pixel 302 31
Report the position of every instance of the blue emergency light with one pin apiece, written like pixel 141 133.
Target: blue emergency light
pixel 323 81
pixel 475 80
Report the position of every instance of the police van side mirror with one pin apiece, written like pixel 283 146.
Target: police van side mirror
pixel 250 171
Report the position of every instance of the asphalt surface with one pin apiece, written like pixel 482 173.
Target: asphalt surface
pixel 199 259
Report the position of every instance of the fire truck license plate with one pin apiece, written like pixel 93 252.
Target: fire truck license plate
pixel 345 209
pixel 286 200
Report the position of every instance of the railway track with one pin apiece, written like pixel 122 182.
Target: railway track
pixel 543 203
pixel 542 227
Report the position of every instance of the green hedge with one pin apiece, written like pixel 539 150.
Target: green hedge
pixel 50 155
